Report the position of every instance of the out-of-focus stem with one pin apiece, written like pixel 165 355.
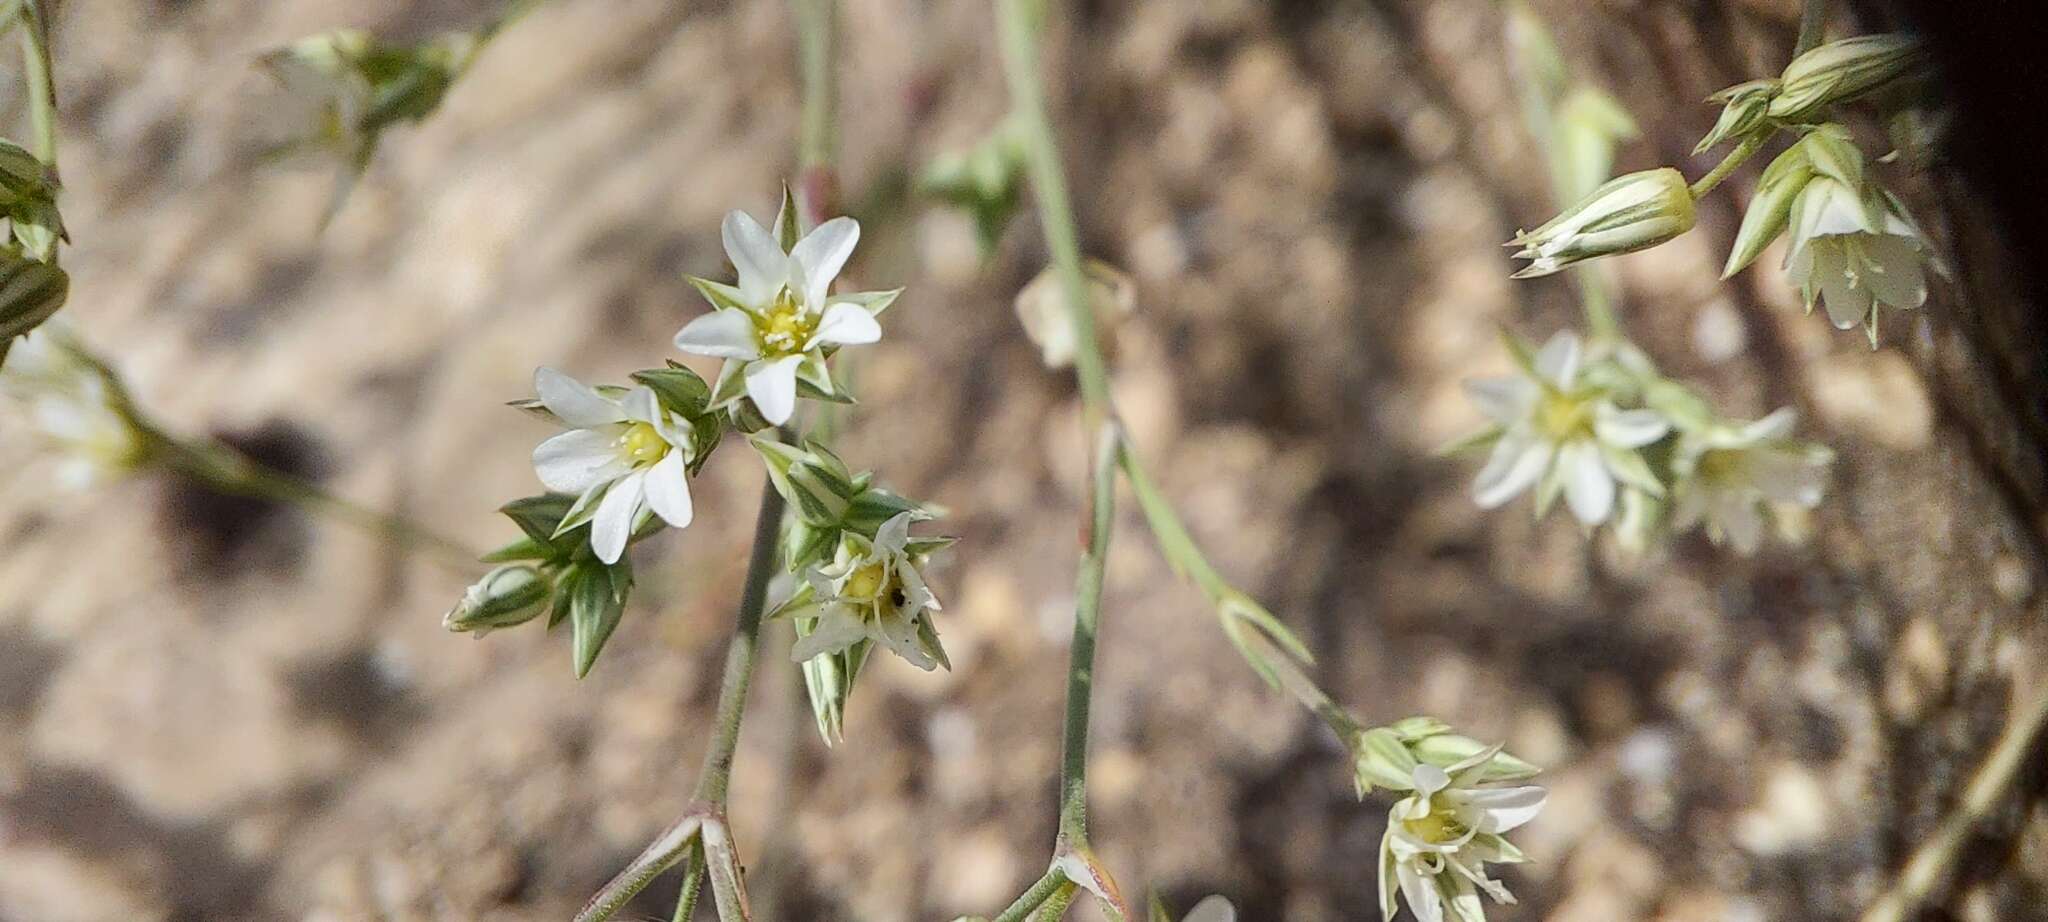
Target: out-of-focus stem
pixel 1931 863
pixel 1813 20
pixel 42 91
pixel 1033 898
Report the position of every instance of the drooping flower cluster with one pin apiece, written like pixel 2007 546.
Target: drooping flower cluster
pixel 1853 246
pixel 1608 433
pixel 1459 804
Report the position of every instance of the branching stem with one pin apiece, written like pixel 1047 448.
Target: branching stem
pixel 1742 152
pixel 1813 20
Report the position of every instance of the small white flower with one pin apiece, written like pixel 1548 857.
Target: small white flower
pixel 1856 251
pixel 326 94
pixel 1729 476
pixel 1559 434
pixel 628 454
pixel 780 316
pixel 1441 836
pixel 70 402
pixel 871 591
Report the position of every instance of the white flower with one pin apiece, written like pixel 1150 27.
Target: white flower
pixel 627 454
pixel 1441 836
pixel 871 591
pixel 1728 476
pixel 71 403
pixel 326 93
pixel 779 318
pixel 1560 434
pixel 1856 251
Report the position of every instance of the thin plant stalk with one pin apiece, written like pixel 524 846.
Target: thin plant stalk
pixel 1742 152
pixel 1813 21
pixel 1033 898
pixel 42 91
pixel 702 826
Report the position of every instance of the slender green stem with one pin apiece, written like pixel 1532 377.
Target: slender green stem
pixel 817 31
pixel 1055 212
pixel 1055 906
pixel 42 91
pixel 693 884
pixel 1936 856
pixel 739 657
pixel 1033 898
pixel 1813 20
pixel 1735 158
pixel 681 838
pixel 1087 623
pixel 229 471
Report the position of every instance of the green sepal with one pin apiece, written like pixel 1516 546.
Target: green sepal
pixel 788 220
pixel 526 548
pixel 875 302
pixel 31 292
pixel 597 598
pixel 722 296
pixel 680 390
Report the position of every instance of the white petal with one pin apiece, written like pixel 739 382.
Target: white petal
pixel 899 634
pixel 1558 361
pixel 762 266
pixel 847 325
pixel 823 252
pixel 1894 274
pixel 1588 486
pixel 837 629
pixel 614 521
pixel 1504 400
pixel 1501 809
pixel 577 459
pixel 1517 462
pixel 668 490
pixel 1421 894
pixel 772 384
pixel 640 405
pixel 1788 477
pixel 726 334
pixel 1741 522
pixel 889 538
pixel 916 595
pixel 577 404
pixel 1777 425
pixel 1628 428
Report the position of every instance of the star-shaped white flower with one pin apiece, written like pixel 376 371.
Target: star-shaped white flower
pixel 627 454
pixel 1729 476
pixel 1856 252
pixel 71 403
pixel 781 315
pixel 1441 836
pixel 1561 434
pixel 871 591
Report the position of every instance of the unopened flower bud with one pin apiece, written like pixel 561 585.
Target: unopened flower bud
pixel 30 292
pixel 1743 107
pixel 508 595
pixel 1841 71
pixel 1629 213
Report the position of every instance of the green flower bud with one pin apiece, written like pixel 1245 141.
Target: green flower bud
pixel 1743 107
pixel 23 176
pixel 30 292
pixel 1841 71
pixel 508 595
pixel 1629 213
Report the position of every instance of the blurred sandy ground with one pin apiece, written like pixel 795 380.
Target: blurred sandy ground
pixel 215 711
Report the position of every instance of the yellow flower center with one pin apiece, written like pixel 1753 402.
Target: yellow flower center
pixel 786 327
pixel 1564 417
pixel 642 444
pixel 1720 466
pixel 867 582
pixel 1440 826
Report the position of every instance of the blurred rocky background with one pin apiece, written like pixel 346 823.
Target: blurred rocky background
pixel 216 710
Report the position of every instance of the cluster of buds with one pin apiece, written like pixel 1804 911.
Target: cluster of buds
pixel 1853 246
pixel 343 88
pixel 32 286
pixel 1606 432
pixel 78 405
pixel 1812 85
pixel 860 572
pixel 1459 802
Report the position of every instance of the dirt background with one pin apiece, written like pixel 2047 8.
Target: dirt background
pixel 213 709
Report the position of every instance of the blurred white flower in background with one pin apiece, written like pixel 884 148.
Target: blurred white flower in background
pixel 71 403
pixel 1561 434
pixel 1731 476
